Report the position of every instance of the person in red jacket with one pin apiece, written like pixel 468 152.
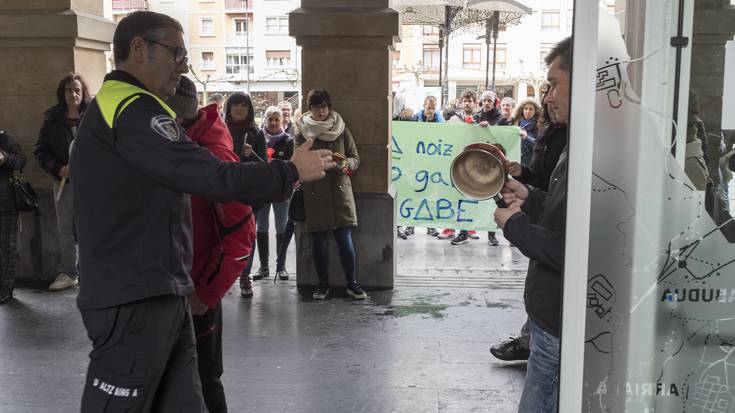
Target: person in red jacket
pixel 223 236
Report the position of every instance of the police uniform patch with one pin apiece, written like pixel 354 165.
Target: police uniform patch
pixel 166 127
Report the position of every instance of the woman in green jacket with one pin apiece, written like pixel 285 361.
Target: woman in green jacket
pixel 329 203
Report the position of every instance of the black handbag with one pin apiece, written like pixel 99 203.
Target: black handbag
pixel 296 210
pixel 26 199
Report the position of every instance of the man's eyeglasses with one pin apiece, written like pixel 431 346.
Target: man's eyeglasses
pixel 316 108
pixel 179 53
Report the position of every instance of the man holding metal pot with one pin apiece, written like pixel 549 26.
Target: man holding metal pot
pixel 534 222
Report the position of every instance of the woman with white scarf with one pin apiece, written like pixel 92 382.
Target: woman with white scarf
pixel 329 203
pixel 279 145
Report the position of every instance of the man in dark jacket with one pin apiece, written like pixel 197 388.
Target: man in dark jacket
pixel 60 125
pixel 535 222
pixel 133 168
pixel 488 112
pixel 546 153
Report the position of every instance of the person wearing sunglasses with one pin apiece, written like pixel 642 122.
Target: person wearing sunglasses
pixel 133 167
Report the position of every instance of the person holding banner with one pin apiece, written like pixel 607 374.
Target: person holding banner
pixel 535 222
pixel 488 112
pixel 52 153
pixel 329 203
pixel 484 119
pixel 430 114
pixel 406 115
pixel 526 116
pixel 507 104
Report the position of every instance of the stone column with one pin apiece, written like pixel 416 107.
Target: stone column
pixel 40 42
pixel 346 50
pixel 713 27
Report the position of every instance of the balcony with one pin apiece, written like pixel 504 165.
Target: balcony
pixel 238 6
pixel 126 6
pixel 238 39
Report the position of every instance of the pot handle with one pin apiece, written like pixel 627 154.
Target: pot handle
pixel 499 201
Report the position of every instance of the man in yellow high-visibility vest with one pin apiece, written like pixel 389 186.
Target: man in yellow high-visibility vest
pixel 133 167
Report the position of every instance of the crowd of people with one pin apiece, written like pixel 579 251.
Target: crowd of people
pixel 528 115
pixel 170 201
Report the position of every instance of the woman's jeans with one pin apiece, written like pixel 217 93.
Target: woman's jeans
pixel 320 253
pixel 541 391
pixel 280 210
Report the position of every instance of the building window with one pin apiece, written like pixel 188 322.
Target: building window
pixel 500 58
pixel 430 31
pixel 550 20
pixel 241 27
pixel 276 25
pixel 431 56
pixel 471 55
pixel 545 50
pixel 207 60
pixel 278 57
pixel 207 27
pixel 237 61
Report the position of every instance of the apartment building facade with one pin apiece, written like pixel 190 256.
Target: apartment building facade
pixel 234 45
pixel 519 62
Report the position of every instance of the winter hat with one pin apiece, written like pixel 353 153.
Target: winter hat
pixel 184 102
pixel 489 95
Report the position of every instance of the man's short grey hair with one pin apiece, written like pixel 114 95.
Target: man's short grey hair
pixel 562 50
pixel 285 103
pixel 217 97
pixel 145 24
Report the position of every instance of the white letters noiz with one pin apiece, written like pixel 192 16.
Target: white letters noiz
pixel 113 390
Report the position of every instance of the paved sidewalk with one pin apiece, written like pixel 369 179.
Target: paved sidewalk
pixel 422 347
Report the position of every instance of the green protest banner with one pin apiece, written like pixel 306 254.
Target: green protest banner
pixel 422 156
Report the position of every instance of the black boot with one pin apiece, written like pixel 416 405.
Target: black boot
pixel 281 272
pixel 263 272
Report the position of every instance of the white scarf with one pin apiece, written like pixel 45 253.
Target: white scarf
pixel 327 130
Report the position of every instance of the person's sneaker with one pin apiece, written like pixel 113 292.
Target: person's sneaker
pixel 409 231
pixel 446 234
pixel 356 292
pixel 473 234
pixel 460 239
pixel 62 282
pixel 282 275
pixel 432 232
pixel 492 240
pixel 263 272
pixel 401 233
pixel 321 292
pixel 246 287
pixel 510 350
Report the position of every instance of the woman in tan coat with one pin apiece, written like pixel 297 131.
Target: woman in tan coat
pixel 329 203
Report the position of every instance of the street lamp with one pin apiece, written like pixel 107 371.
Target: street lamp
pixel 512 12
pixel 432 13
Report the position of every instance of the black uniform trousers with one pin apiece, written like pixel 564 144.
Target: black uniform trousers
pixel 208 329
pixel 143 358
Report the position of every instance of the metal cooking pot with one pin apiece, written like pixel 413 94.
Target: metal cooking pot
pixel 479 172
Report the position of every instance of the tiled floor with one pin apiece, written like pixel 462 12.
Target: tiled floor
pixel 422 347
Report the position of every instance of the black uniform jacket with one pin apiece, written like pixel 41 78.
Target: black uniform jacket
pixel 538 232
pixel 131 208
